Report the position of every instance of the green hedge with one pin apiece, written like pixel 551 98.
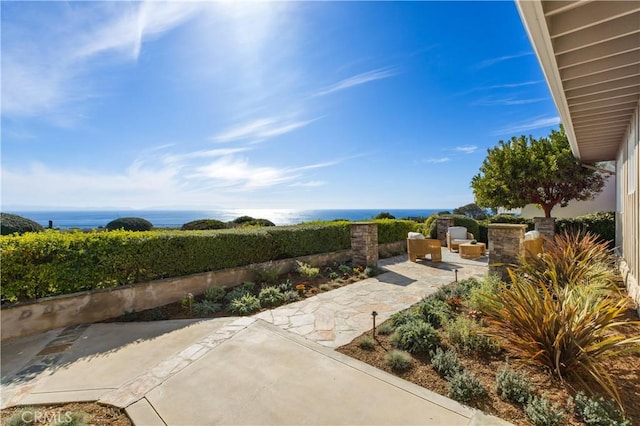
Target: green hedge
pixel 458 220
pixel 54 263
pixel 507 218
pixel 602 224
pixel 392 230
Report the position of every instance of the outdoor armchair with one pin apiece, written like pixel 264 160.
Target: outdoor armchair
pixel 419 247
pixel 532 244
pixel 457 235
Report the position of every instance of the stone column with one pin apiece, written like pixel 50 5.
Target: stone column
pixel 443 225
pixel 546 226
pixel 507 243
pixel 364 243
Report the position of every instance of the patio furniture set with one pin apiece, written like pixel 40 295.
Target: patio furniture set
pixel 462 241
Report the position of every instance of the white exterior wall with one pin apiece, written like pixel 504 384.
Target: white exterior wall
pixel 628 206
pixel 605 201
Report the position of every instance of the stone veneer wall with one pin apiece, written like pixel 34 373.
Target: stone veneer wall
pixel 546 226
pixel 443 225
pixel 507 244
pixel 364 243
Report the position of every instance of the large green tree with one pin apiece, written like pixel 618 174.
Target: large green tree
pixel 534 171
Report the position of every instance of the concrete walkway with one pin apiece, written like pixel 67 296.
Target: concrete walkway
pixel 277 367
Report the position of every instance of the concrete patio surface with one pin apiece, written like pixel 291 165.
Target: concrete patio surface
pixel 277 367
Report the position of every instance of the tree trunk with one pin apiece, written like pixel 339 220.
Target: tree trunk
pixel 547 209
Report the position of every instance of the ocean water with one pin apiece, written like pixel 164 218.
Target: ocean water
pixel 175 218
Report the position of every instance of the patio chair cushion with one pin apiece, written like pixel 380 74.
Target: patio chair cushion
pixel 459 241
pixel 531 235
pixel 415 236
pixel 457 233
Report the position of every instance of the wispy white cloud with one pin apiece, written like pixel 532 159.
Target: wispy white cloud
pixel 437 160
pixel 260 129
pixel 528 125
pixel 493 61
pixel 467 149
pixel 500 87
pixel 310 184
pixel 191 179
pixel 506 101
pixel 358 79
pixel 48 74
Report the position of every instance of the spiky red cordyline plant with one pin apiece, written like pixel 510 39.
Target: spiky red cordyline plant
pixel 569 329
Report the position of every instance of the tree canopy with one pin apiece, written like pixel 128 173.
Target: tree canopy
pixel 534 171
pixel 471 210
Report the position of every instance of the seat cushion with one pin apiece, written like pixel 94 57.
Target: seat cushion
pixel 458 232
pixel 460 241
pixel 531 235
pixel 415 236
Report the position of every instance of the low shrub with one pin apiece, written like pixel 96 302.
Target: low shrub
pixel 398 361
pixel 129 224
pixel 248 287
pixel 598 411
pixel 445 363
pixel 245 305
pixel 404 317
pixel 270 297
pixel 324 287
pixel 21 417
pixel 291 296
pixel 214 294
pixel 73 418
pixel 463 333
pixel 434 311
pixel 488 286
pixel 465 387
pixel 267 274
pixel 415 337
pixel 206 307
pixel 385 328
pixel 14 224
pixel 307 270
pixel 203 225
pixel 541 412
pixel 366 342
pixel 461 289
pixel 513 386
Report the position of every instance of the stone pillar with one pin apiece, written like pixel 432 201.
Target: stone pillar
pixel 443 224
pixel 507 243
pixel 546 226
pixel 364 243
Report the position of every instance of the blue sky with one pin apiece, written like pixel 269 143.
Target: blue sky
pixel 196 105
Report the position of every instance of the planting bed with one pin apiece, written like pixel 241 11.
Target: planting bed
pixel 624 369
pixel 302 281
pixel 94 414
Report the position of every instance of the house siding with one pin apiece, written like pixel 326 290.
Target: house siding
pixel 628 207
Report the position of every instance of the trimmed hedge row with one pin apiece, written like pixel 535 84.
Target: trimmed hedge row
pixel 52 263
pixel 601 224
pixel 392 230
